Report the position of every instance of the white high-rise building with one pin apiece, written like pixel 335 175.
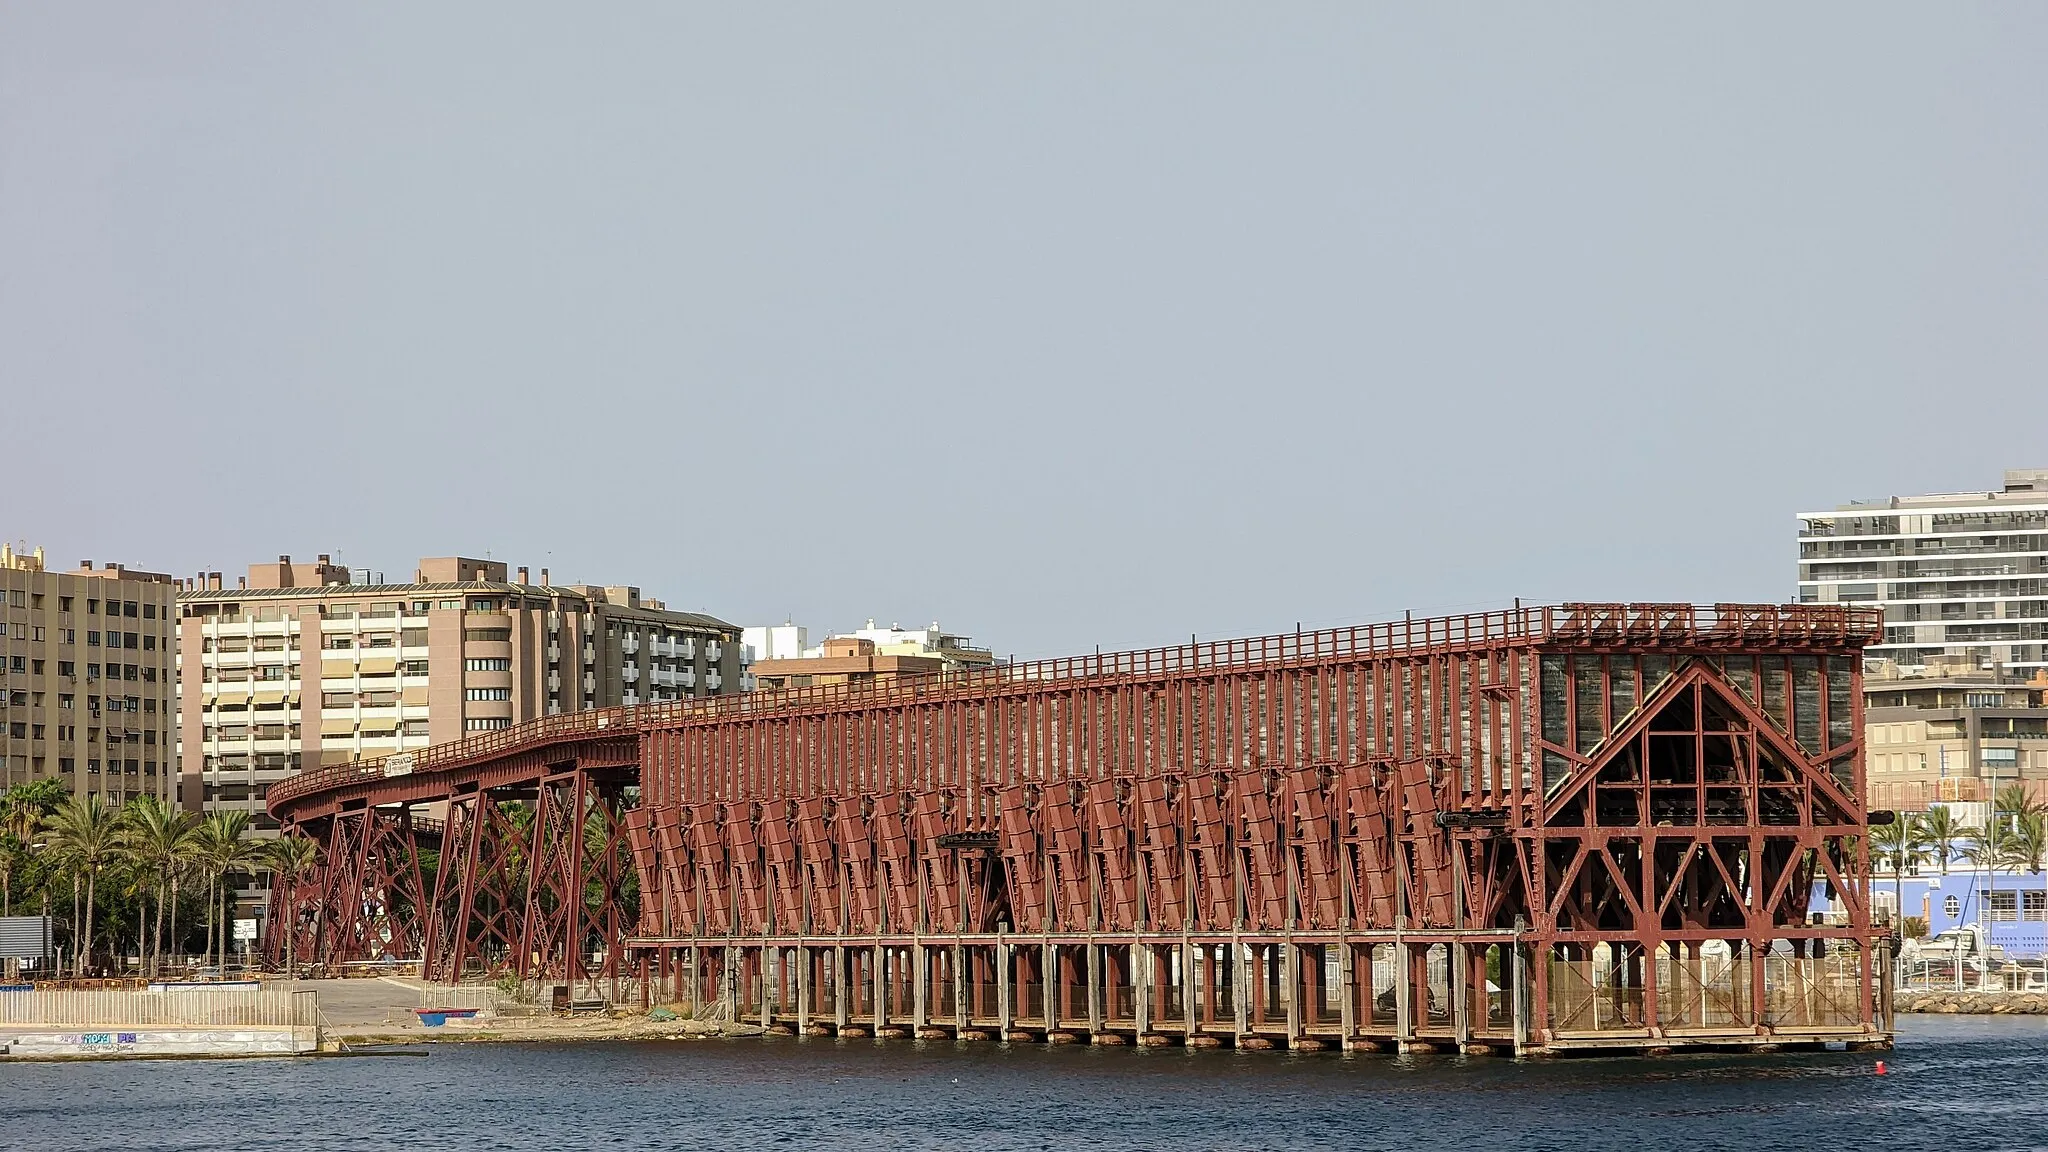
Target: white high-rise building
pixel 1960 575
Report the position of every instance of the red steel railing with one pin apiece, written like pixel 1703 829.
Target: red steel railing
pixel 1574 623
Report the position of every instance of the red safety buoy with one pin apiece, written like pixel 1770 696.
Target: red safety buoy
pixel 1880 1067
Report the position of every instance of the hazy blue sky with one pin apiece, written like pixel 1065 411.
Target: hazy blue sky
pixel 1066 325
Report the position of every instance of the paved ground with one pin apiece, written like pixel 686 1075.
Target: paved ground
pixel 352 1005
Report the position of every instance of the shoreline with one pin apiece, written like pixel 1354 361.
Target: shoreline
pixel 1954 1003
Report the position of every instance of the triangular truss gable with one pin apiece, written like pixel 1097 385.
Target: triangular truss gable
pixel 1698 675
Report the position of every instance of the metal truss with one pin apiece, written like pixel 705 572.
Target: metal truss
pixel 1557 828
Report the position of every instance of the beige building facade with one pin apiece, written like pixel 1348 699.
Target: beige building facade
pixel 1951 733
pixel 305 665
pixel 87 683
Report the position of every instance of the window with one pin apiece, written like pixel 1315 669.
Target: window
pixel 485 724
pixel 450 604
pixel 2003 905
pixel 66 668
pixel 413 638
pixel 2032 903
pixel 487 694
pixel 92 672
pixel 92 639
pixel 67 636
pixel 383 640
pixel 420 607
pixel 1950 906
pixel 337 643
pixel 63 603
pixel 128 608
pixel 485 605
pixel 92 607
pixel 337 699
pixel 488 664
pixel 67 701
pixel 487 635
pixel 36 633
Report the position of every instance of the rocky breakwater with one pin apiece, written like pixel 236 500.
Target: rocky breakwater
pixel 1951 1001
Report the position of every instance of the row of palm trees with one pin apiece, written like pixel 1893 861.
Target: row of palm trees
pixel 156 850
pixel 2014 839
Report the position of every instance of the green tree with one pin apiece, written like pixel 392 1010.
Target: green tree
pixel 161 842
pixel 1942 832
pixel 223 849
pixel 83 834
pixel 291 858
pixel 1900 845
pixel 22 809
pixel 2027 848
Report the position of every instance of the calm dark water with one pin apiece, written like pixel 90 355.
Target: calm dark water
pixel 1954 1084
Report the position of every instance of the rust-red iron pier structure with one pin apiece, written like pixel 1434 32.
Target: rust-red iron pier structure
pixel 1551 829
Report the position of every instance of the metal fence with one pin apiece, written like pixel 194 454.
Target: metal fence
pixel 198 1007
pixel 480 996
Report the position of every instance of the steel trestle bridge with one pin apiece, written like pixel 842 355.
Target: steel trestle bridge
pixel 1557 828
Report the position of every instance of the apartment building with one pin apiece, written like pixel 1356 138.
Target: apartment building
pixel 1947 733
pixel 780 655
pixel 304 665
pixel 1960 576
pixel 87 690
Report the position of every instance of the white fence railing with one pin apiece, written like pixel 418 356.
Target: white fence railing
pixel 197 1008
pixel 480 996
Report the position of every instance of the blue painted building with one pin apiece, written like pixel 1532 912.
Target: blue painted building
pixel 2008 904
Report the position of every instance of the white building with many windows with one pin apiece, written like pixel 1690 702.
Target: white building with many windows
pixel 1961 576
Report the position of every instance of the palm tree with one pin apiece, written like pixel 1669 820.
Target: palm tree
pixel 2027 847
pixel 83 833
pixel 22 809
pixel 1941 831
pixel 1992 847
pixel 223 849
pixel 1900 845
pixel 161 840
pixel 291 857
